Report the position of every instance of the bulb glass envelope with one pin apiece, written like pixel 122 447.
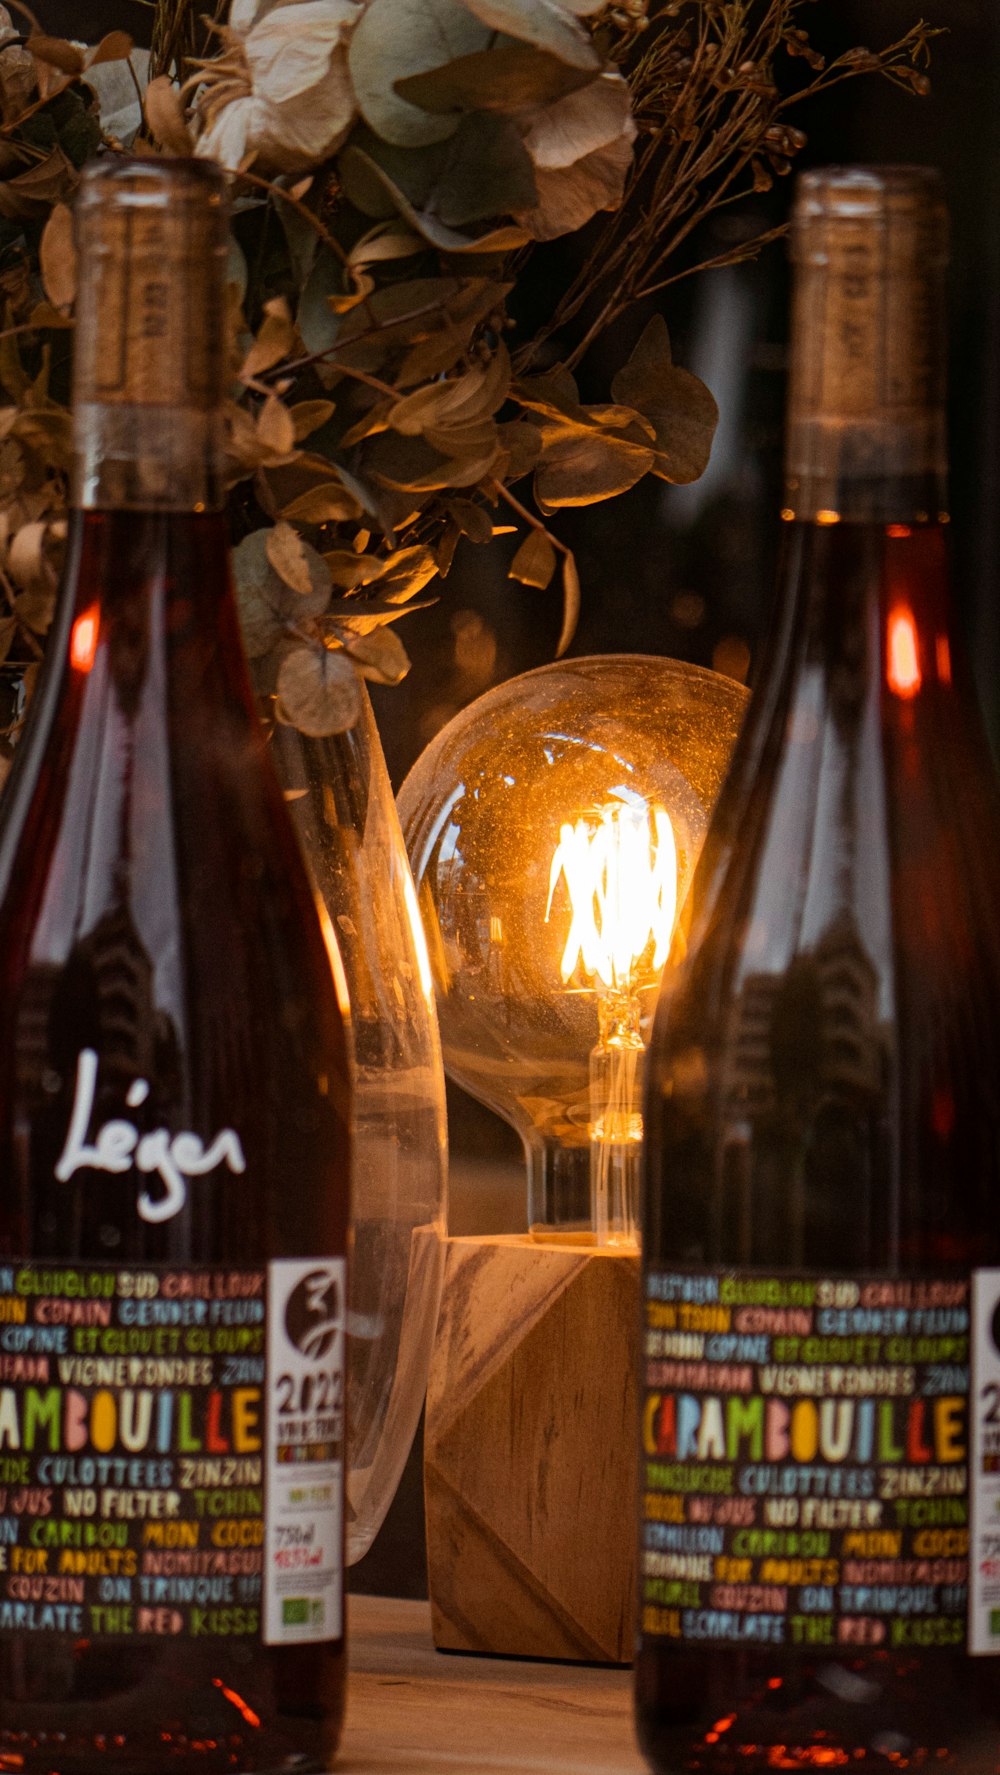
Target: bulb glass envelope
pixel 551 827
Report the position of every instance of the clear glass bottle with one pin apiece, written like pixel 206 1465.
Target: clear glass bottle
pixel 174 1097
pixel 342 805
pixel 823 1115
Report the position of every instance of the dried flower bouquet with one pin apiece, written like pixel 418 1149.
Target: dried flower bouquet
pixel 395 165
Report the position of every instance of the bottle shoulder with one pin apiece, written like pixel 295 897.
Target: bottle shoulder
pixel 833 1038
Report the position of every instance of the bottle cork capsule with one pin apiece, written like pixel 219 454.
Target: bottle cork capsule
pixel 866 402
pixel 149 372
pixel 150 235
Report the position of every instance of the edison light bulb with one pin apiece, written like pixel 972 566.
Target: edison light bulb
pixel 553 828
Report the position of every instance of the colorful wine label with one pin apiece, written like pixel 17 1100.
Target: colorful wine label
pixel 171 1450
pixel 984 1464
pixel 805 1478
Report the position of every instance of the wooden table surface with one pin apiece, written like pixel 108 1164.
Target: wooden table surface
pixel 410 1708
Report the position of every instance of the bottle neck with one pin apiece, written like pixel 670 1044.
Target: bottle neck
pixel 133 457
pixel 869 625
pixel 867 434
pixel 149 364
pixel 862 460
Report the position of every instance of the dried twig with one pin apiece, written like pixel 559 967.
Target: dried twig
pixel 713 126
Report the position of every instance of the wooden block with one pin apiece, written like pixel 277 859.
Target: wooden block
pixel 530 1466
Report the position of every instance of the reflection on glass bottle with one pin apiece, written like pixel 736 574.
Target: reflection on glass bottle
pixel 340 798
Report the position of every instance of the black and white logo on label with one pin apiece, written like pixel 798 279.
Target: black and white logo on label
pixel 314 1314
pixel 303 1544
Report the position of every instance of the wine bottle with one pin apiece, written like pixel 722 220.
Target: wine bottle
pixel 822 1179
pixel 174 1096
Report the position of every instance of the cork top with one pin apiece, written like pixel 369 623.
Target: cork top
pixel 150 360
pixel 866 404
pixel 906 201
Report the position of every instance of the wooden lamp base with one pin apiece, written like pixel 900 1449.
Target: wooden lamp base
pixel 530 1467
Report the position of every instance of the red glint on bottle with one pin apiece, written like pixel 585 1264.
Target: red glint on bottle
pixel 174 1098
pixel 820 1540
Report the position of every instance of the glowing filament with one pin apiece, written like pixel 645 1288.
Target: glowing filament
pixel 620 869
pixel 903 668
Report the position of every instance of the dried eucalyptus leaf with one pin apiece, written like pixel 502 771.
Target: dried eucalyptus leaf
pixel 375 420
pixel 328 503
pixel 569 196
pixel 380 656
pixel 406 463
pixel 26 559
pixel 363 618
pixel 275 427
pixel 414 465
pixel 610 416
pixel 553 392
pixel 300 237
pixel 394 38
pixel 357 170
pixel 585 467
pixel 308 416
pixel 49 432
pixel 462 313
pixel 535 561
pixel 116 46
pixel 29 196
pixel 45 318
pixel 416 172
pixel 318 692
pixel 682 410
pixel 521 443
pixel 509 77
pixel 471 520
pixel 387 242
pixel 428 406
pixel 571 603
pixel 651 357
pixel 488 172
pixel 465 440
pixel 57 257
pixel 444 552
pixel 260 595
pixel 56 52
pixel 318 326
pixel 406 573
pixel 297 563
pixel 35 609
pixel 348 570
pixel 362 285
pixel 274 341
pixel 545 23
pixel 164 110
pixel 375 501
pixel 266 604
pixel 428 225
pixel 558 135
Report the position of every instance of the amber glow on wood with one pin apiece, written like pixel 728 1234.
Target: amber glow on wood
pixel 903 659
pixel 83 639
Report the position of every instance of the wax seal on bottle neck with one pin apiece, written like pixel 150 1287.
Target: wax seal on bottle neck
pixel 150 360
pixel 866 419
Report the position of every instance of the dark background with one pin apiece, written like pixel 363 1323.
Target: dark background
pixel 689 572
